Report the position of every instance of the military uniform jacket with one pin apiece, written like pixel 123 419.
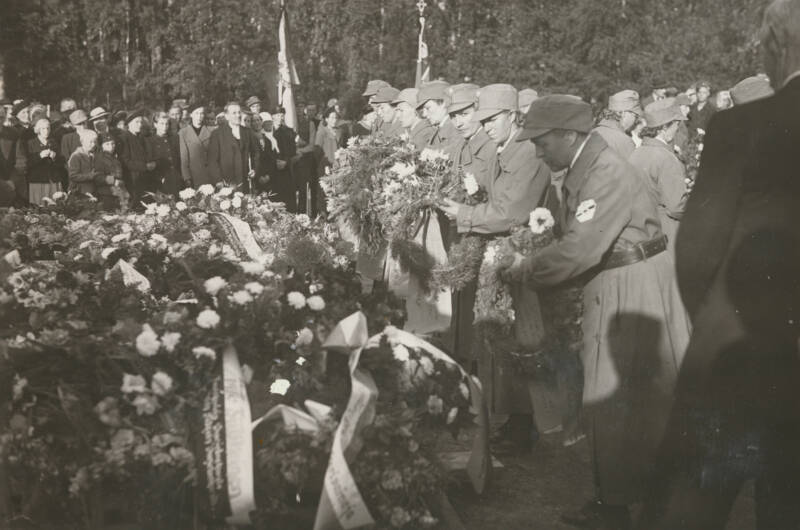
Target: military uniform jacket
pixel 390 129
pixel 421 133
pixel 473 155
pixel 515 181
pixel 607 206
pixel 616 138
pixel 445 136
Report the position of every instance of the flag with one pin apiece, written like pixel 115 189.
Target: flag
pixel 287 75
pixel 423 66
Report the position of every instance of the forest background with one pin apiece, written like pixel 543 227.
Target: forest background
pixel 125 53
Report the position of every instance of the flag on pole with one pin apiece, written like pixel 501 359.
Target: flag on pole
pixel 423 66
pixel 287 75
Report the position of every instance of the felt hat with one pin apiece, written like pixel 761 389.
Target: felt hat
pixel 751 89
pixel 78 116
pixel 373 86
pixel 252 100
pixel 433 90
pixel 625 100
pixel 385 94
pixel 527 96
pixel 462 96
pixel 558 111
pixel 407 95
pixel 138 113
pixel 494 99
pixel 662 112
pixel 98 113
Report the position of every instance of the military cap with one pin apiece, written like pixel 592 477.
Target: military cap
pixel 98 113
pixel 462 96
pixel 558 111
pixel 76 117
pixel 433 90
pixel 751 89
pixel 494 99
pixel 625 100
pixel 385 94
pixel 138 113
pixel 373 86
pixel 527 96
pixel 662 112
pixel 252 100
pixel 407 95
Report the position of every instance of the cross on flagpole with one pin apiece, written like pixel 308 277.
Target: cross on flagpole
pixel 423 67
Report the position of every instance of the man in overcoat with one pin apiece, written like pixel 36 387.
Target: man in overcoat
pixel 193 141
pixel 233 151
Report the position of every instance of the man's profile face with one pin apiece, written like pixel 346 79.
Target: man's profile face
pixel 434 111
pixel 386 112
pixel 462 120
pixel 554 149
pixel 498 127
pixel 407 114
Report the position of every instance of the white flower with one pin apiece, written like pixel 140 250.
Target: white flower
pixel 157 241
pixel 170 340
pixel 145 404
pixel 85 244
pixel 199 218
pixel 203 234
pixel 161 383
pixel 247 373
pixel 541 221
pixel 238 194
pixel 186 193
pixel 255 288
pixel 121 237
pixel 464 390
pixel 280 386
pixel 107 252
pixel 207 319
pixel 147 343
pixel 314 288
pixel 303 219
pixel 432 155
pixel 206 189
pixel 162 210
pixel 226 191
pixel 353 140
pixel 180 206
pixel 304 337
pixel 296 300
pixel 252 267
pixel 402 169
pixel 242 297
pixel 401 353
pixel 470 184
pixel 451 416
pixel 214 285
pixel 204 351
pixel 339 153
pixel 133 383
pixel 125 228
pixel 316 303
pixel 426 364
pixel 58 195
pixel 300 361
pixel 236 202
pixel 19 385
pixel 225 205
pixel 435 405
pixel 490 256
pixel 150 209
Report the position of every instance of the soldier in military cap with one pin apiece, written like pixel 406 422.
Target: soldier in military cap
pixel 516 181
pixel 372 89
pixel 385 107
pixel 634 328
pixel 432 101
pixel 419 131
pixel 618 119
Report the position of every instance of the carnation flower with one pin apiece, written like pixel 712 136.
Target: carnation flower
pixel 162 210
pixel 161 383
pixel 133 383
pixel 186 193
pixel 180 206
pixel 147 343
pixel 252 267
pixel 170 340
pixel 236 202
pixel 304 337
pixel 213 285
pixel 226 191
pixel 206 189
pixel 199 218
pixel 254 288
pixel 145 404
pixel 296 300
pixel 280 386
pixel 204 351
pixel 315 303
pixel 242 297
pixel 451 416
pixel 402 169
pixel 303 219
pixel 470 184
pixel 247 373
pixel 208 318
pixel 125 228
pixel 435 405
pixel 541 220
pixel 107 411
pixel 225 204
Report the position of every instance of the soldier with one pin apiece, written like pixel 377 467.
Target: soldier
pixel 736 416
pixel 390 124
pixel 372 88
pixel 618 119
pixel 432 101
pixel 634 328
pixel 419 131
pixel 515 181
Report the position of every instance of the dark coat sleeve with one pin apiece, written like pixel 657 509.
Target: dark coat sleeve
pixel 214 169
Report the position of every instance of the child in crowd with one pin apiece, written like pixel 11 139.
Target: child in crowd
pixel 108 166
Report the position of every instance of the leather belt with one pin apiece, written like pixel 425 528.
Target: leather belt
pixel 635 254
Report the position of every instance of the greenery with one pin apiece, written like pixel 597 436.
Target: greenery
pixel 131 51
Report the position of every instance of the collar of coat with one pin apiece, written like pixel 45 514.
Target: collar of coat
pixel 577 176
pixel 655 142
pixel 478 141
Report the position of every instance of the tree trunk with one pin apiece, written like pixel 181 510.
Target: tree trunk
pixel 2 77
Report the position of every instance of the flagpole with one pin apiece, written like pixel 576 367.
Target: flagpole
pixel 422 48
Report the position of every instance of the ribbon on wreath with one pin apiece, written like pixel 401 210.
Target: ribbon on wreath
pixel 240 236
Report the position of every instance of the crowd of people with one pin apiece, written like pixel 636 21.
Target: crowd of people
pixel 616 181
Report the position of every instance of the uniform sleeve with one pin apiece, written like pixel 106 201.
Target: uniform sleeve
pixel 584 243
pixel 672 187
pixel 513 201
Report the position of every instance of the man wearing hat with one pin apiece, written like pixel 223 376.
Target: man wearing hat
pixel 619 118
pixel 233 151
pixel 432 102
pixel 516 181
pixel 634 328
pixel 98 118
pixel 137 164
pixel 656 161
pixel 736 417
pixel 372 89
pixel 384 105
pixel 526 97
pixel 751 89
pixel 193 143
pixel 419 131
pixel 253 104
pixel 72 140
